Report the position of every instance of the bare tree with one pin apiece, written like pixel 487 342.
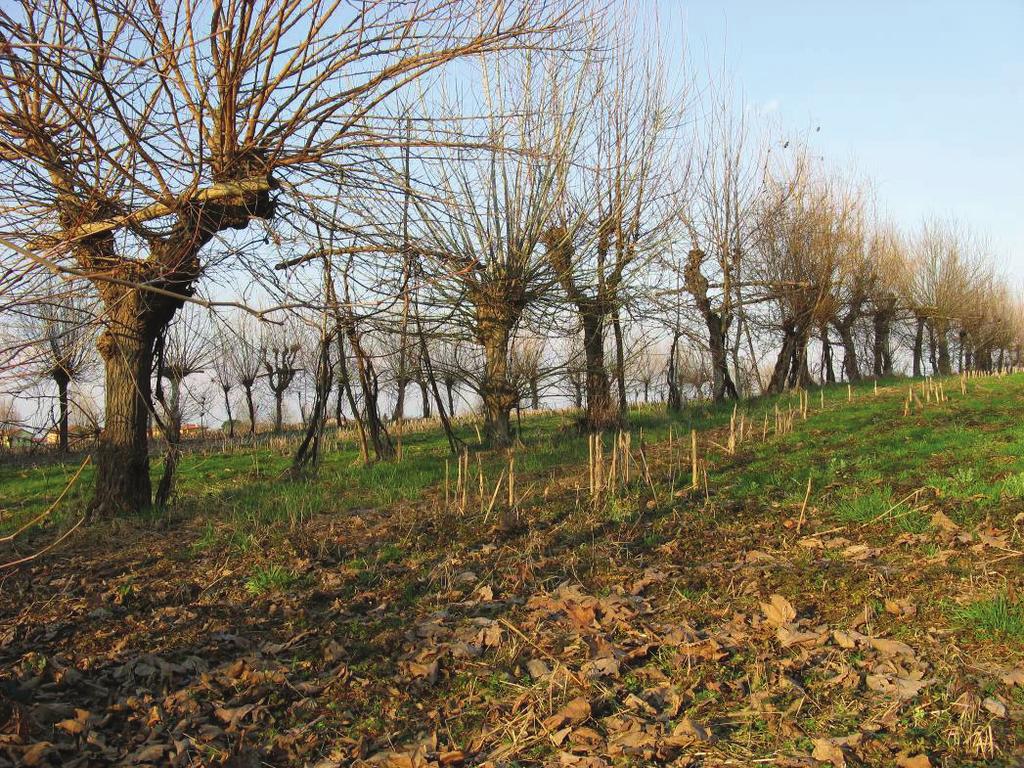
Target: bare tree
pixel 719 214
pixel 65 329
pixel 243 359
pixel 617 209
pixel 483 211
pixel 134 133
pixel 801 238
pixel 183 350
pixel 280 351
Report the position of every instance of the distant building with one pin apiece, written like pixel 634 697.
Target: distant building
pixel 16 437
pixel 78 434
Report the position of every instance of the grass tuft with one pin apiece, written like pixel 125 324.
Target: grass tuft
pixel 998 616
pixel 273 578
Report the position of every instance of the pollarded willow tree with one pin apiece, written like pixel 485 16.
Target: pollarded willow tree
pixel 617 210
pixel 134 133
pixel 481 212
pixel 944 270
pixel 719 214
pixel 802 240
pixel 63 329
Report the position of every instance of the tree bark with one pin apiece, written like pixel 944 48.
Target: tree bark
pixel 123 485
pixel 620 362
pixel 227 407
pixel 251 407
pixel 601 412
pixel 882 363
pixel 425 398
pixel 828 372
pixel 498 395
pixel 850 365
pixel 62 380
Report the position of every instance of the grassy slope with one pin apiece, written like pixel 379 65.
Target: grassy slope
pixel 405 620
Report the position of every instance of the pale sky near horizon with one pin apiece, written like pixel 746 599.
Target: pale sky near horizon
pixel 925 98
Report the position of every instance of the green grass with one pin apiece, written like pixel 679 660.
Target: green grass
pixel 997 617
pixel 272 578
pixel 859 456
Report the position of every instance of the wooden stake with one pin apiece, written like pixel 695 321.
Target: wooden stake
pixel 693 456
pixel 803 507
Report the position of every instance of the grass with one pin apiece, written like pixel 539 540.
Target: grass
pixel 271 578
pixel 997 617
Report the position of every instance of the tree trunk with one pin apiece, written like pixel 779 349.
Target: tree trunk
pixel 919 348
pixel 450 391
pixel 799 373
pixel 942 345
pixel 933 359
pixel 882 363
pixel 62 380
pixel 722 385
pixel 620 362
pixel 534 393
pixel 122 454
pixel 172 435
pixel 227 407
pixel 399 413
pixel 784 362
pixel 829 371
pixel 278 410
pixel 252 408
pixel 675 397
pixel 308 453
pixel 499 398
pixel 338 403
pixel 601 412
pixel 425 398
pixel 346 381
pixel 849 351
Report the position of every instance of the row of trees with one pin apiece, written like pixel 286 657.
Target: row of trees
pixel 556 207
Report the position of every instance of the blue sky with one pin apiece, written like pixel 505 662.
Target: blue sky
pixel 925 98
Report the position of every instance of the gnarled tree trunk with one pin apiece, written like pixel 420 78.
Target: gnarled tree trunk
pixel 497 393
pixel 919 347
pixel 881 351
pixel 62 380
pixel 122 455
pixel 601 411
pixel 850 366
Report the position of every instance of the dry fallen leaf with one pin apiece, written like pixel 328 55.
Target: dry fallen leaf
pixel 537 668
pixel 915 761
pixel 994 706
pixel 828 752
pixel 34 754
pixel 573 713
pixel 943 522
pixel 1014 677
pixel 778 611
